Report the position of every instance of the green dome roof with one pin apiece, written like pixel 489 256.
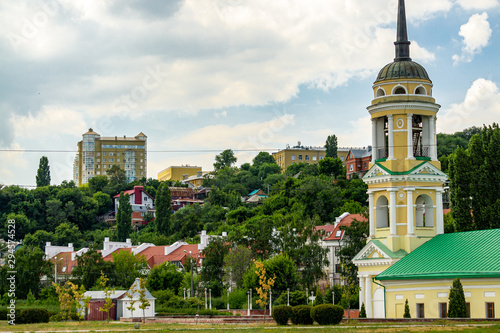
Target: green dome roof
pixel 402 70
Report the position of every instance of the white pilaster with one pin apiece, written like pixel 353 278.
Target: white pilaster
pixel 439 212
pixel 391 136
pixel 374 140
pixel 409 210
pixel 434 139
pixel 392 212
pixel 368 297
pixel 371 214
pixel 362 291
pixel 409 126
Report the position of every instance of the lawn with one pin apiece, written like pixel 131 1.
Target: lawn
pixel 268 328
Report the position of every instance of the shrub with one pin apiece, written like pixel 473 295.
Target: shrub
pixel 32 316
pixel 218 303
pixel 327 314
pixel 301 315
pixel 281 314
pixel 407 310
pixel 238 299
pixel 59 317
pixel 162 296
pixel 362 312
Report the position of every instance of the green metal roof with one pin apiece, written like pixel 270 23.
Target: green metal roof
pixel 473 254
pixel 402 70
pixel 394 255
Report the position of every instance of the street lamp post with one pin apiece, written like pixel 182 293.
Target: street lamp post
pixel 210 296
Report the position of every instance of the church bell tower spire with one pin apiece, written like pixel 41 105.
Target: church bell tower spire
pixel 402 43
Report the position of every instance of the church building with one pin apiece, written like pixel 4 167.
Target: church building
pixel 405 185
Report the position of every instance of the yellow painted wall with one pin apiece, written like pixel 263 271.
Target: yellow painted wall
pixel 437 291
pixel 285 158
pixel 177 172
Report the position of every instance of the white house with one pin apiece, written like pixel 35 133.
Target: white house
pixel 139 200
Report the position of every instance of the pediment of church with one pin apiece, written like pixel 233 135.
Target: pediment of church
pixel 376 171
pixel 427 169
pixel 371 251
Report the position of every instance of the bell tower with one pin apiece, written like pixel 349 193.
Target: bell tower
pixel 405 181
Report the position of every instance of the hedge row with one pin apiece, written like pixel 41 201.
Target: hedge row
pixel 324 314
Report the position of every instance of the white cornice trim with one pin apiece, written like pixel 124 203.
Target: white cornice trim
pixel 433 107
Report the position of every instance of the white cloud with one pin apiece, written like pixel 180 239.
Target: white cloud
pixel 51 123
pixel 476 34
pixel 478 4
pixel 481 106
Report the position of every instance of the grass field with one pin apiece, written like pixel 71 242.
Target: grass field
pixel 156 327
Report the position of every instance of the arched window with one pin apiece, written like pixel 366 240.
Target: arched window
pixel 382 214
pixel 380 92
pixel 399 90
pixel 424 211
pixel 420 90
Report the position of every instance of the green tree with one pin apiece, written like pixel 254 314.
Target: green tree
pixel 362 312
pixel 263 157
pixel 331 167
pixel 163 210
pixel 165 276
pixel 108 302
pixel 89 267
pixel 143 301
pixel 124 218
pixel 22 226
pixel 457 306
pixel 98 183
pixel 460 194
pixel 104 202
pixel 128 267
pixel 224 159
pixel 67 233
pixel 407 310
pixel 117 180
pixel 354 241
pixel 236 263
pixel 212 271
pixel 43 173
pixel 331 146
pixel 30 266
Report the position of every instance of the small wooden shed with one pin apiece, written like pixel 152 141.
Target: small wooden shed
pixel 97 300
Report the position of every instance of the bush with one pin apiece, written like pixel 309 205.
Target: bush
pixel 162 296
pixel 362 312
pixel 238 299
pixel 59 317
pixel 218 303
pixel 301 315
pixel 281 314
pixel 33 316
pixel 327 314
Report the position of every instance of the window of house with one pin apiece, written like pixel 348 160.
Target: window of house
pixel 365 165
pixel 314 158
pixel 490 310
pixel 300 157
pixel 443 310
pixel 98 172
pixel 420 310
pixel 293 157
pixel 104 166
pixel 98 160
pixel 351 167
pixel 117 154
pixel 111 154
pixel 118 160
pixel 321 157
pixel 104 154
pixel 342 158
pixel 111 160
pixel 307 157
pixel 142 173
pixel 338 233
pixel 104 160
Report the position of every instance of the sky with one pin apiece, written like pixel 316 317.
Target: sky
pixel 201 76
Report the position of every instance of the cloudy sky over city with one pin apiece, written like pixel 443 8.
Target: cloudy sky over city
pixel 201 76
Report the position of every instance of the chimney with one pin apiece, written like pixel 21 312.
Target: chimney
pixel 138 194
pixel 70 245
pixel 47 244
pixel 224 234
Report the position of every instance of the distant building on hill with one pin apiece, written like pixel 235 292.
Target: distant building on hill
pixel 98 154
pixel 178 173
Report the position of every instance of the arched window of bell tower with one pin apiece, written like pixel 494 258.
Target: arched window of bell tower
pixel 399 90
pixel 382 215
pixel 424 211
pixel 420 90
pixel 380 92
